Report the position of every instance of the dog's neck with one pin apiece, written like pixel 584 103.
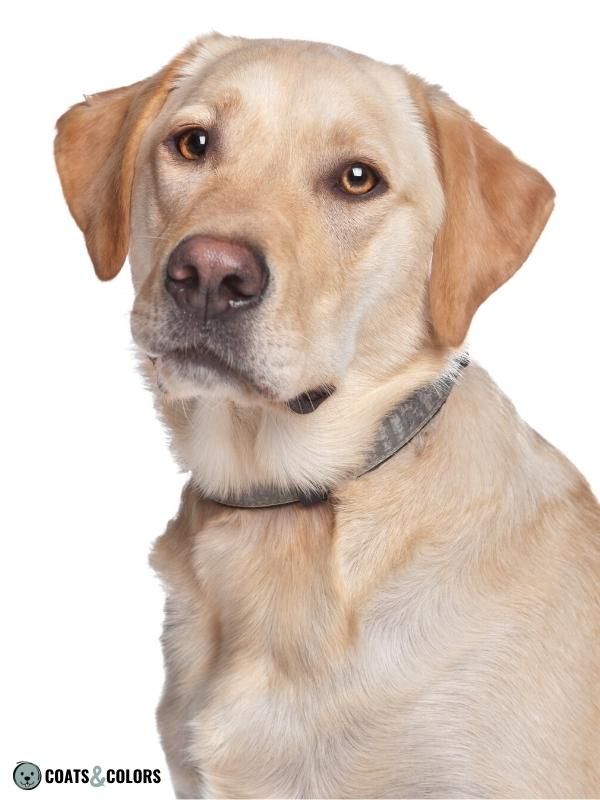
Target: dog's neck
pixel 396 430
pixel 230 450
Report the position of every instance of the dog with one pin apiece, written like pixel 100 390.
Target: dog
pixel 380 581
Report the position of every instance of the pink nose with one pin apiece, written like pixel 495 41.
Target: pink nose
pixel 213 277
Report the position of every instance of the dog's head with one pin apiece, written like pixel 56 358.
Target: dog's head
pixel 293 211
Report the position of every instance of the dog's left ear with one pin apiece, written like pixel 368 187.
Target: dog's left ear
pixel 495 209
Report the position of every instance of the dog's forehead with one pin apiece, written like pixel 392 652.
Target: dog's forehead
pixel 289 81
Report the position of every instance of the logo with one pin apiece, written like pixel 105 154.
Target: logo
pixel 27 775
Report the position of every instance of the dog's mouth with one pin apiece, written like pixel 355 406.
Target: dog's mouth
pixel 203 358
pixel 195 359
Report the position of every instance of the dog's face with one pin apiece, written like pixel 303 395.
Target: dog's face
pixel 279 197
pixel 283 203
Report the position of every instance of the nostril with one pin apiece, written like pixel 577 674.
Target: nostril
pixel 184 275
pixel 236 287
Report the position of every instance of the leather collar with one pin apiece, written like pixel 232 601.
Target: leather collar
pixel 395 431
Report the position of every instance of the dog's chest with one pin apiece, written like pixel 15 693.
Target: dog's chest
pixel 266 710
pixel 277 684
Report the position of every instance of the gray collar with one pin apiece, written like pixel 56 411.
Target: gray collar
pixel 396 430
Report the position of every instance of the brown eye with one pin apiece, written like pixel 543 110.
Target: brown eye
pixel 358 179
pixel 192 143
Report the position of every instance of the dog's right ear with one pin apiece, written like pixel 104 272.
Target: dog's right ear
pixel 96 146
pixel 95 149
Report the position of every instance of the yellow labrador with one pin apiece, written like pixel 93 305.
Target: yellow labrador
pixel 381 582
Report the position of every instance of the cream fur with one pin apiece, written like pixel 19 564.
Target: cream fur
pixel 433 630
pixel 431 635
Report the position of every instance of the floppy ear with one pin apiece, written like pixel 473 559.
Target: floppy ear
pixel 95 149
pixel 496 208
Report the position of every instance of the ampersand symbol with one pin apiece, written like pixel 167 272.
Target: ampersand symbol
pixel 96 779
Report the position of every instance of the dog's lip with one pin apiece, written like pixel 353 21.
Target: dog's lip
pixel 204 357
pixel 201 356
pixel 303 403
pixel 207 358
pixel 309 401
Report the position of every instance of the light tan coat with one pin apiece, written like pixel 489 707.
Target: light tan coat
pixel 432 631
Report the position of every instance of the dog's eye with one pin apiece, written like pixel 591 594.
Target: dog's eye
pixel 358 179
pixel 192 143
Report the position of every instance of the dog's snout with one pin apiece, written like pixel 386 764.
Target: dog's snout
pixel 214 277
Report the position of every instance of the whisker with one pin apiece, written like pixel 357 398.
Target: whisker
pixel 163 238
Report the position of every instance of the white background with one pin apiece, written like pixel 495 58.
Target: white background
pixel 88 482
